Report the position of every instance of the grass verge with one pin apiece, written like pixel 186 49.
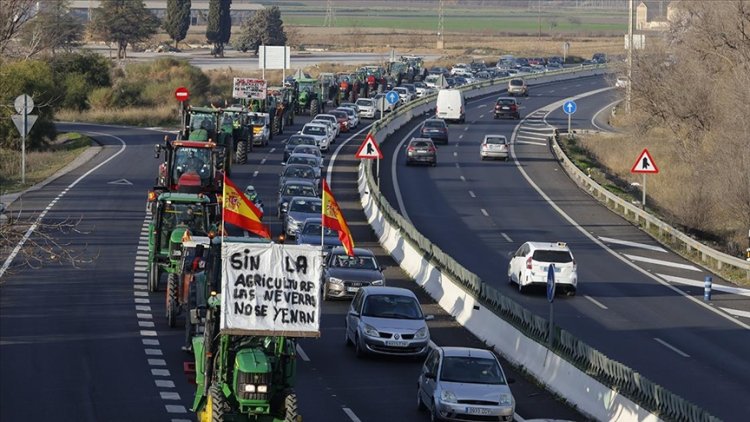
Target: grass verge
pixel 163 115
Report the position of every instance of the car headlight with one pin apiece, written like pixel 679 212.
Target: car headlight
pixel 334 280
pixel 292 222
pixel 371 331
pixel 284 205
pixel 377 283
pixel 421 333
pixel 448 396
pixel 506 399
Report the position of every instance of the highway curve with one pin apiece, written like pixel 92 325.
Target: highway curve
pixel 637 303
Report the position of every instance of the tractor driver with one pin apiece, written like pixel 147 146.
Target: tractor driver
pixel 203 131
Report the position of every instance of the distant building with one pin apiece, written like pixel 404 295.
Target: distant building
pixel 652 16
pixel 240 10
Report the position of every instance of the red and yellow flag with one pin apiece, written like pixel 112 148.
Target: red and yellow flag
pixel 241 212
pixel 334 219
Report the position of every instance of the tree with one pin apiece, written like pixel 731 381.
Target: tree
pixel 14 14
pixel 265 27
pixel 177 20
pixel 219 27
pixel 52 28
pixel 123 22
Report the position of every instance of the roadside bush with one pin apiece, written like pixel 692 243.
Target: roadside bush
pixel 100 99
pixel 76 74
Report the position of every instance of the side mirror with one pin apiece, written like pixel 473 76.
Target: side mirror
pixel 157 150
pixel 429 375
pixel 354 314
pixel 429 317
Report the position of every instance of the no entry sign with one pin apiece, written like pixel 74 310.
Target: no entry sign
pixel 182 94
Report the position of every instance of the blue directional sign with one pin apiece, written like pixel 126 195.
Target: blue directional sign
pixel 570 107
pixel 551 283
pixel 391 97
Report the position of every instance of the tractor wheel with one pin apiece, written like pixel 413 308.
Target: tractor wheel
pixel 291 411
pixel 216 405
pixel 241 152
pixel 172 307
pixel 153 277
pixel 314 107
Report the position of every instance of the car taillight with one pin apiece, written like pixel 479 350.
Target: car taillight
pixel 513 107
pixel 410 149
pixel 431 149
pixel 528 263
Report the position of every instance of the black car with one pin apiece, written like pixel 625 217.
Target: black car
pixel 435 129
pixel 295 140
pixel 421 150
pixel 507 107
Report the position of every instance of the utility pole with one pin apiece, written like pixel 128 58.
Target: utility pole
pixel 330 19
pixel 628 87
pixel 441 26
pixel 539 17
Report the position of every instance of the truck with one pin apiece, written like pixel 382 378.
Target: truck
pixel 244 361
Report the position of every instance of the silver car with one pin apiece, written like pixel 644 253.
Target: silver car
pixel 464 384
pixel 344 275
pixel 494 146
pixel 300 209
pixel 387 321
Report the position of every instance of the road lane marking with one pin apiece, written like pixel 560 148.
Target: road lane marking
pixel 669 346
pixel 351 414
pixel 537 129
pixel 164 383
pixel 172 408
pixel 531 143
pixel 736 312
pixel 148 333
pixel 633 244
pixel 506 237
pixel 533 138
pixel 143 316
pixel 160 372
pixel 455 154
pixel 593 119
pixel 458 165
pixel 484 211
pixel 141 300
pixel 460 137
pixel 255 173
pixel 169 395
pixel 143 308
pixel 302 353
pixel 263 161
pixel 471 193
pixel 595 302
pixel 150 342
pixel 271 150
pixel 463 179
pixel 700 284
pixel 153 352
pixel 481 116
pixel 157 362
pixel 146 324
pixel 661 262
pixel 394 175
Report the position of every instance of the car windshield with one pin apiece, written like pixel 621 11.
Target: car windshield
pixel 195 160
pixel 392 306
pixel 315 228
pixel 301 172
pixel 434 124
pixel 364 103
pixel 306 149
pixel 358 262
pixel 561 257
pixel 420 144
pixel 516 82
pixel 310 161
pixel 299 140
pixel 190 215
pixel 257 120
pixel 314 130
pixel 472 370
pixel 495 140
pixel 299 190
pixel 306 206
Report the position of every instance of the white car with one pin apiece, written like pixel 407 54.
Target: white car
pixel 422 89
pixel 403 94
pixel 366 108
pixel 332 119
pixel 352 113
pixel 320 132
pixel 531 262
pixel 622 82
pixel 460 69
pixel 331 127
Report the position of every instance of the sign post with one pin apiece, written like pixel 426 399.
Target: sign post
pixel 24 122
pixel 551 300
pixel 644 165
pixel 569 108
pixel 370 150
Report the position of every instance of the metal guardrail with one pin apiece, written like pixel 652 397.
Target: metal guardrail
pixel 708 256
pixel 661 402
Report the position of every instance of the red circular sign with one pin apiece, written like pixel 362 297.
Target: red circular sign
pixel 182 94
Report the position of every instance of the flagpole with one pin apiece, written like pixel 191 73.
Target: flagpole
pixel 223 198
pixel 322 213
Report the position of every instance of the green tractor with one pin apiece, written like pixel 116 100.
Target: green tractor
pixel 172 215
pixel 310 98
pixel 285 105
pixel 209 124
pixel 238 122
pixel 239 376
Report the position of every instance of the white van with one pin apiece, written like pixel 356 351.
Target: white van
pixel 450 105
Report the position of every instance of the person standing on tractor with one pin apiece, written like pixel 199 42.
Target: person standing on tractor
pixel 197 270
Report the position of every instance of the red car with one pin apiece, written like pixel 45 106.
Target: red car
pixel 342 118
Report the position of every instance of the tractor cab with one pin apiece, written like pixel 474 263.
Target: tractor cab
pixel 204 124
pixel 190 167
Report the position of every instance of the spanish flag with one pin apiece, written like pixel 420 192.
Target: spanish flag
pixel 241 212
pixel 334 219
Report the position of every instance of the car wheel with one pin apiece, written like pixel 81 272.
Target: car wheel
pixel 520 285
pixel 420 403
pixel 359 351
pixel 571 291
pixel 433 414
pixel 434 164
pixel 325 294
pixel 483 157
pixel 347 342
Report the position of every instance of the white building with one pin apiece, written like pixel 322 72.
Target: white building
pixel 240 9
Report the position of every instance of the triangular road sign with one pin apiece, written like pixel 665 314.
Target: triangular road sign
pixel 369 149
pixel 18 121
pixel 644 164
pixel 120 182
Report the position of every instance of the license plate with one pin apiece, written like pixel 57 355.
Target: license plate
pixel 506 108
pixel 545 269
pixel 352 289
pixel 477 411
pixel 394 343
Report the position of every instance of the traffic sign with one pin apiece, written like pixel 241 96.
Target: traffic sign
pixel 182 94
pixel 551 283
pixel 369 149
pixel 23 104
pixel 18 121
pixel 392 97
pixel 570 107
pixel 644 163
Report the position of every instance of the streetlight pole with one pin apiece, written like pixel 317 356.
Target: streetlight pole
pixel 628 87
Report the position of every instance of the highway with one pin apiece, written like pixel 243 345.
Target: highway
pixel 637 302
pixel 91 344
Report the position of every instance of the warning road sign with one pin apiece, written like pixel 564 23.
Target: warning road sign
pixel 644 164
pixel 369 149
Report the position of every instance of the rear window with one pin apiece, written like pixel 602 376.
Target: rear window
pixel 316 130
pixel 496 140
pixel 366 103
pixel 420 144
pixel 561 257
pixel 516 82
pixel 434 124
pixel 506 101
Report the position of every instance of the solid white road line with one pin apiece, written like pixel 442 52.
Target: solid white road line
pixel 595 302
pixel 672 348
pixel 700 283
pixel 506 237
pixel 530 143
pixel 329 170
pixel 351 414
pixel 661 262
pixel 394 175
pixel 302 353
pixel 484 212
pixel 533 138
pixel 736 312
pixel 527 133
pixel 535 129
pixel 593 119
pixel 633 244
pixel 471 193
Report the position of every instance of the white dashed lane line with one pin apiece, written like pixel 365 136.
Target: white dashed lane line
pixel 506 237
pixel 302 353
pixel 455 154
pixel 661 262
pixel 471 193
pixel 595 302
pixel 484 212
pixel 255 173
pixel 463 179
pixel 351 414
pixel 672 348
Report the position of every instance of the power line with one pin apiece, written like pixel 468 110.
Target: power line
pixel 441 25
pixel 330 19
